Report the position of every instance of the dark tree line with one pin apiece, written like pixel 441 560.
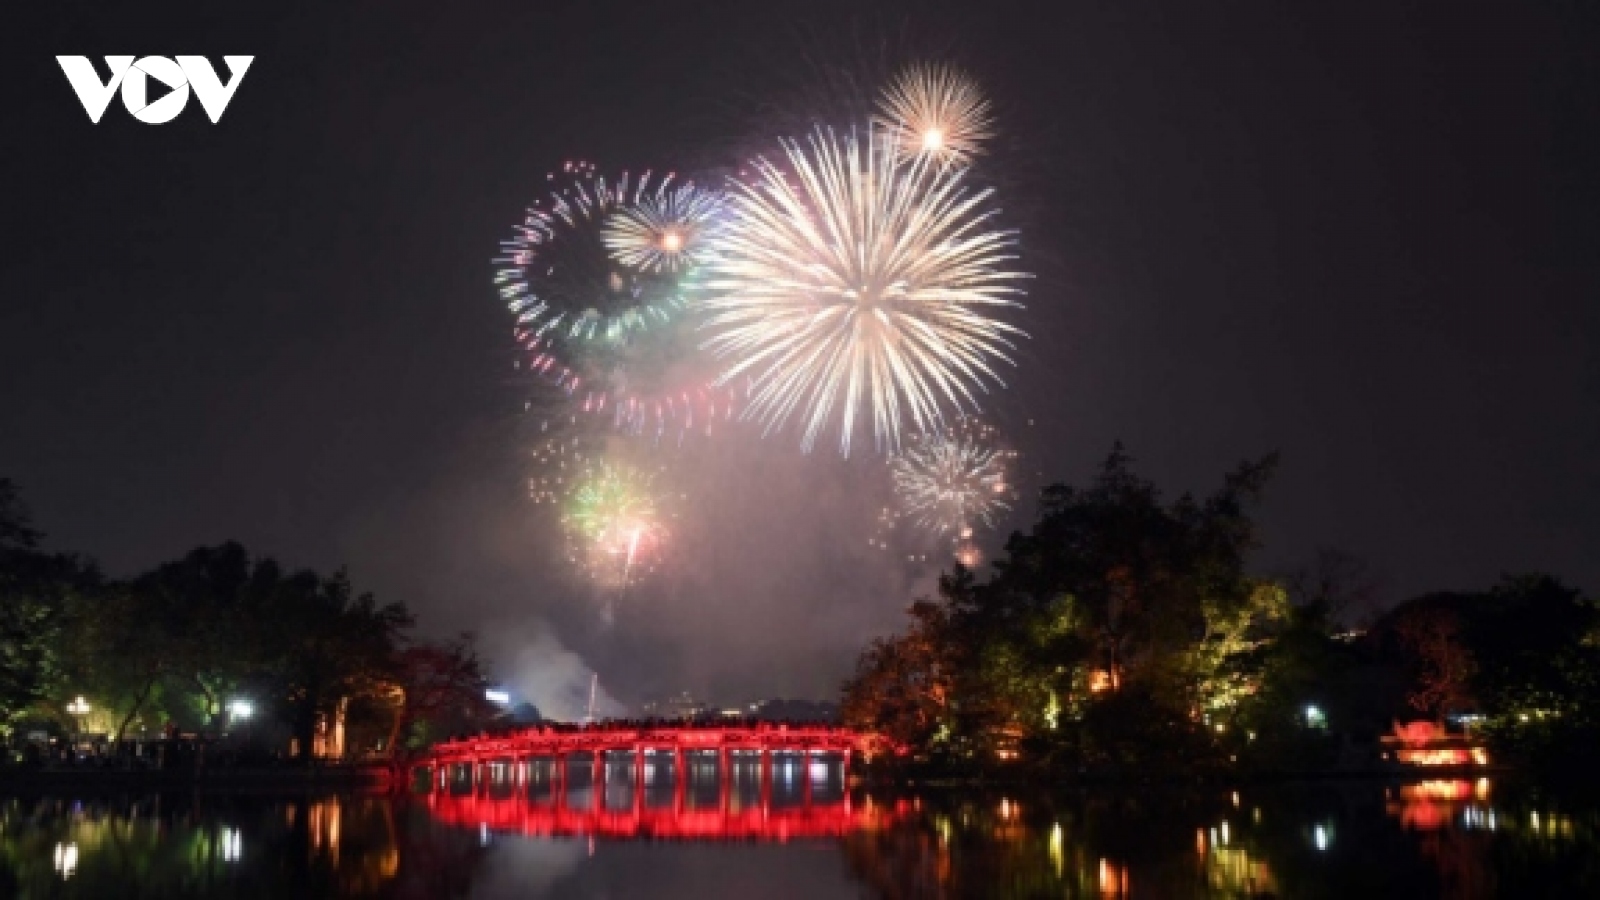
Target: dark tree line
pixel 219 641
pixel 1126 633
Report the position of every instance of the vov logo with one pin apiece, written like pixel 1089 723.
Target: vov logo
pixel 178 74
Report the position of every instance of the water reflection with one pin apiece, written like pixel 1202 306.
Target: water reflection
pixel 615 828
pixel 204 845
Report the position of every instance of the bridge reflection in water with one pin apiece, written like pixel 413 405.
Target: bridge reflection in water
pixel 741 796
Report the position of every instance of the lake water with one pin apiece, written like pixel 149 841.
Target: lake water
pixel 799 837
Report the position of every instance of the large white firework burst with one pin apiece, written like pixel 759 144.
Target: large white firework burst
pixel 845 286
pixel 955 480
pixel 935 111
pixel 663 230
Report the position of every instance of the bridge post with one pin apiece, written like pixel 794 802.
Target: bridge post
pixel 638 762
pixel 599 779
pixel 805 777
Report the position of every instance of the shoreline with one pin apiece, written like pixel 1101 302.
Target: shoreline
pixel 367 778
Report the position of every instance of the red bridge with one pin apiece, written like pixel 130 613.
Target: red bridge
pixel 559 742
pixel 485 760
pixel 519 782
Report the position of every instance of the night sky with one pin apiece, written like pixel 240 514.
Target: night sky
pixel 1365 237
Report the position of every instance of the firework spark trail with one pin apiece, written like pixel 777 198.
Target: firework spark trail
pixel 937 112
pixel 851 286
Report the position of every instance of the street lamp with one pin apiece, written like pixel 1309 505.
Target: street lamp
pixel 241 709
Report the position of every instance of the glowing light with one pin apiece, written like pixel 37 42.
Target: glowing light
pixel 845 287
pixel 232 845
pixel 1320 837
pixel 1099 681
pixel 1113 879
pixel 66 860
pixel 935 111
pixel 498 697
pixel 242 709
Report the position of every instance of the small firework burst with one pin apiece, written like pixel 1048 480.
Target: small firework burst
pixel 560 280
pixel 935 112
pixel 663 230
pixel 616 522
pixel 594 277
pixel 951 481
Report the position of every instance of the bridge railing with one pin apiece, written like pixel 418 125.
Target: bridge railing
pixel 508 756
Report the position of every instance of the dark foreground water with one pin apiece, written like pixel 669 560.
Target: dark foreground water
pixel 700 839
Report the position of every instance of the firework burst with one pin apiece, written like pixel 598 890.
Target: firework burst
pixel 952 481
pixel 935 112
pixel 559 278
pixel 616 523
pixel 845 286
pixel 593 277
pixel 662 231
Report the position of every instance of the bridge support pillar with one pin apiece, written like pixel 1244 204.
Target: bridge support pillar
pixel 599 769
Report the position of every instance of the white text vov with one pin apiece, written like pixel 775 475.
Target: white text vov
pixel 178 74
